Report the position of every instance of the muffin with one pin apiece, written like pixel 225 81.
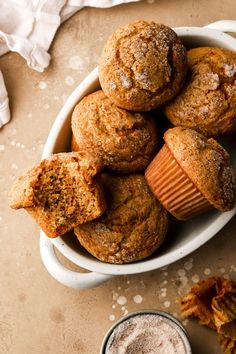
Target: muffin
pixel 61 192
pixel 133 226
pixel 191 174
pixel 126 141
pixel 207 102
pixel 142 66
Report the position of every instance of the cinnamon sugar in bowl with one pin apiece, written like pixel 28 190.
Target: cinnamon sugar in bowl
pixel 146 332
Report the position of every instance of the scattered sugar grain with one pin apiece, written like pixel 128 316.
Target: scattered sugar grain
pixel 112 317
pixel 188 265
pixel 195 278
pixel 185 322
pixel 42 85
pixel 232 268
pixel 69 81
pixel 138 299
pixel 181 272
pixel 76 62
pixel 14 166
pixel 207 271
pixel 115 295
pixel 167 304
pixel 2 147
pixel 121 300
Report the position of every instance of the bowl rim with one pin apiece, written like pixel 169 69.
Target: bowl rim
pixel 93 264
pixel 177 325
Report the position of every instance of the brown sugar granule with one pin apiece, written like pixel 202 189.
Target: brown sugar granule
pixel 61 192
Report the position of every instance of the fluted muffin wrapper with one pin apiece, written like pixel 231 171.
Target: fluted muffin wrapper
pixel 172 186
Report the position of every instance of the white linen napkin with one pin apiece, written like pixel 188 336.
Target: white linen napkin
pixel 28 28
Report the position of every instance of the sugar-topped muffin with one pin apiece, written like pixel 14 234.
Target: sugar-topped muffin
pixel 207 103
pixel 192 174
pixel 126 141
pixel 142 66
pixel 61 192
pixel 133 226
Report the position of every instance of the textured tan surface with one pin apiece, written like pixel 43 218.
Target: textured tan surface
pixel 37 314
pixel 126 141
pixel 207 101
pixel 133 226
pixel 142 66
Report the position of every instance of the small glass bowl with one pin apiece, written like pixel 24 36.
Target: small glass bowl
pixel 177 325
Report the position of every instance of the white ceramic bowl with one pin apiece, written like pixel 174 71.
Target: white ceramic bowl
pixel 186 238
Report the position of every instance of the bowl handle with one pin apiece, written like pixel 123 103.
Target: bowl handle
pixel 64 275
pixel 223 25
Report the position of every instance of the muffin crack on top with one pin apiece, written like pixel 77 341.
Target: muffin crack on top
pixel 125 140
pixel 207 102
pixel 140 78
pixel 142 66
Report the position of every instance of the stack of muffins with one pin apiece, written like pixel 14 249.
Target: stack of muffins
pixel 112 190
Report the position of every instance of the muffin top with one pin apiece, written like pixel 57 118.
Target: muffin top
pixel 133 225
pixel 142 66
pixel 207 103
pixel 126 141
pixel 206 163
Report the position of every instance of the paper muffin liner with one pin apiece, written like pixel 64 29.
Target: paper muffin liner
pixel 172 186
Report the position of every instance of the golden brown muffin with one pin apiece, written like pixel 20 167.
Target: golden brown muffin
pixel 61 192
pixel 126 141
pixel 192 174
pixel 133 226
pixel 142 66
pixel 207 102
